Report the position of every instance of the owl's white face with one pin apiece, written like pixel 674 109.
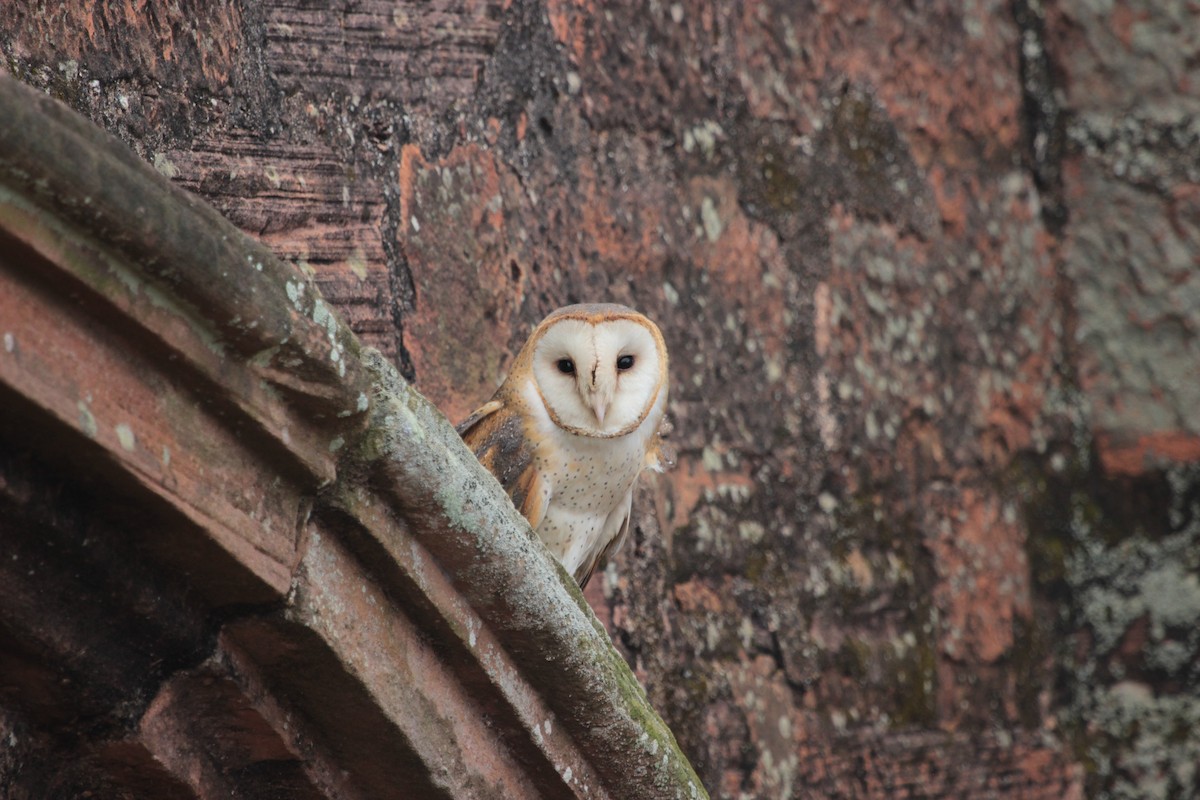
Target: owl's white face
pixel 598 378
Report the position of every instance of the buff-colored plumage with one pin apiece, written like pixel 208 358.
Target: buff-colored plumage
pixel 574 424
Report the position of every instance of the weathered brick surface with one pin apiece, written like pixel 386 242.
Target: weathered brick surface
pixel 322 216
pixel 929 278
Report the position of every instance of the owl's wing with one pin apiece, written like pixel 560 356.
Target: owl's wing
pixel 584 573
pixel 496 434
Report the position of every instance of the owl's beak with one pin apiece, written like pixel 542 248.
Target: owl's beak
pixel 599 407
pixel 600 392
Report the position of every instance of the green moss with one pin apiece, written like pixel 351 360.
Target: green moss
pixel 691 693
pixel 782 188
pixel 756 565
pixel 775 176
pixel 854 658
pixel 916 681
pixel 1058 508
pixel 862 524
pixel 1033 642
pixel 860 133
pixel 1047 558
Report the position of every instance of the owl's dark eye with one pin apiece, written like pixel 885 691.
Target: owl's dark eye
pixel 566 366
pixel 624 363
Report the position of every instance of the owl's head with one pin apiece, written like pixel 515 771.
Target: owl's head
pixel 600 369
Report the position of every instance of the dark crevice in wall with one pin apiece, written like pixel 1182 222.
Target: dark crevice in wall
pixel 1042 118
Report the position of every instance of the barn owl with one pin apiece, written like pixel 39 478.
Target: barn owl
pixel 574 424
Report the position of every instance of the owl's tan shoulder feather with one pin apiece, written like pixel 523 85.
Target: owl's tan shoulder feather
pixel 495 432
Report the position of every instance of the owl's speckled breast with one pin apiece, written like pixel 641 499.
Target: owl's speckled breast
pixel 589 482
